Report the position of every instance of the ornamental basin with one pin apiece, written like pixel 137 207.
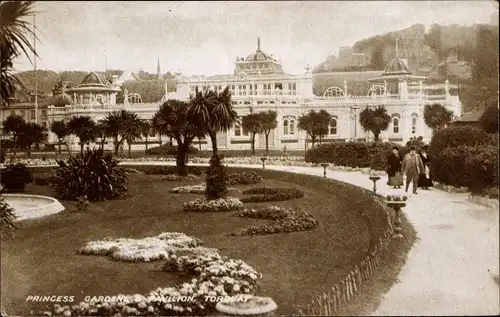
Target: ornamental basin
pixel 396 204
pixel 374 178
pixel 32 206
pixel 251 306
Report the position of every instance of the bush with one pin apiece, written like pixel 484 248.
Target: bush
pixel 168 149
pixel 264 194
pixel 44 179
pixel 169 170
pixel 7 218
pixel 244 178
pixel 176 178
pixel 455 136
pixel 214 205
pixel 15 178
pixel 216 180
pixel 94 174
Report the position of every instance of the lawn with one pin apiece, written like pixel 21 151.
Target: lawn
pixel 296 267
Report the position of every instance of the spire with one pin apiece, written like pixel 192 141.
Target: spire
pixel 158 70
pixel 258 44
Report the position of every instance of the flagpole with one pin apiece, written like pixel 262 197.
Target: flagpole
pixel 36 77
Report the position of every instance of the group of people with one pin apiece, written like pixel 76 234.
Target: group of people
pixel 415 166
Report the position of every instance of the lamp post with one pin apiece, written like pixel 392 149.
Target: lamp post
pixel 355 108
pixel 324 165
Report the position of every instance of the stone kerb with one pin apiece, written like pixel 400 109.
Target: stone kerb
pixel 32 206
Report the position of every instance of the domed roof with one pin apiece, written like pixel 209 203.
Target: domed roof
pixel 396 66
pixel 258 55
pixel 92 79
pixel 62 100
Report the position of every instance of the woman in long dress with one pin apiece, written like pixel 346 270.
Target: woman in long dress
pixel 424 179
pixel 394 169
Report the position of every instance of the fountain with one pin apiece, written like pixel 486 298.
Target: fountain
pixel 32 206
pixel 254 306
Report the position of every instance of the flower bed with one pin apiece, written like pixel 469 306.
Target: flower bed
pixel 244 178
pixel 211 275
pixel 396 198
pixel 194 189
pixel 222 204
pixel 175 177
pixel 44 179
pixel 264 194
pixel 169 170
pixel 285 220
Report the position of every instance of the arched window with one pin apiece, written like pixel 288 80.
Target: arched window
pixel 237 130
pixel 414 122
pixel 395 125
pixel 292 126
pixel 332 129
pixel 285 127
pixel 289 125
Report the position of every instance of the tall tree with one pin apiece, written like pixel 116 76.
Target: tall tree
pixel 16 34
pixel 253 124
pixel 375 120
pixel 489 119
pixel 315 124
pixel 14 125
pixel 132 131
pixel 269 122
pixel 61 130
pixel 122 125
pixel 212 112
pixel 436 116
pixel 172 119
pixel 102 133
pixel 84 128
pixel 145 128
pixel 32 134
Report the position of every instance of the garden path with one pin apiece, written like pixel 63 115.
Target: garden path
pixel 452 267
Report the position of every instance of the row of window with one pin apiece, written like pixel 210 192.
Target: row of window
pixel 395 124
pixel 32 114
pixel 249 89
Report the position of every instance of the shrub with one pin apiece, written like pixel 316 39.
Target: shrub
pixel 15 177
pixel 176 178
pixel 243 178
pixel 214 205
pixel 264 194
pixel 168 149
pixel 44 179
pixel 7 218
pixel 216 180
pixel 455 136
pixel 169 170
pixel 94 174
pixel 285 220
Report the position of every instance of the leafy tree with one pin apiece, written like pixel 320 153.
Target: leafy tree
pixel 16 34
pixel 32 134
pixel 102 133
pixel 151 90
pixel 486 57
pixel 156 125
pixel 172 119
pixel 489 119
pixel 84 128
pixel 269 122
pixel 14 125
pixel 122 125
pixel 375 120
pixel 436 116
pixel 253 124
pixel 315 124
pixel 212 112
pixel 132 130
pixel 7 218
pixel 145 128
pixel 377 58
pixel 61 130
pixel 433 39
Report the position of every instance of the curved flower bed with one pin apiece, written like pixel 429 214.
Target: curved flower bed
pixel 285 220
pixel 212 275
pixel 193 189
pixel 222 204
pixel 264 194
pixel 175 177
pixel 243 178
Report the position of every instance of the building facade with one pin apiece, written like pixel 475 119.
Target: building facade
pixel 260 84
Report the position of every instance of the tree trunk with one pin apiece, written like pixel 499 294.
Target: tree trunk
pixel 146 144
pixel 117 147
pixel 376 136
pixel 267 142
pixel 253 144
pixel 81 148
pixel 14 145
pixel 129 149
pixel 28 150
pixel 213 138
pixel 313 140
pixel 59 146
pixel 180 159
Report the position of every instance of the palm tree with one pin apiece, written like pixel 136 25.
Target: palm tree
pixel 32 134
pixel 132 130
pixel 84 128
pixel 171 118
pixel 269 122
pixel 157 126
pixel 375 120
pixel 14 125
pixel 101 133
pixel 15 39
pixel 61 130
pixel 145 128
pixel 122 125
pixel 212 112
pixel 315 124
pixel 437 116
pixel 253 124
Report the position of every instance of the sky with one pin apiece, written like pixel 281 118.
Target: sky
pixel 194 37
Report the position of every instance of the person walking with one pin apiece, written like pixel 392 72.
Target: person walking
pixel 412 167
pixel 425 180
pixel 394 169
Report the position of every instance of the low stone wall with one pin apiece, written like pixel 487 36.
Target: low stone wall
pixel 476 199
pixel 32 206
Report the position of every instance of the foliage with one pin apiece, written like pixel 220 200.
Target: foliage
pixel 61 130
pixel 265 194
pixel 315 124
pixel 489 119
pixel 216 179
pixel 7 218
pixel 212 112
pixel 375 120
pixel 122 125
pixel 455 136
pixel 377 58
pixel 416 142
pixel 268 122
pixel 101 133
pixel 253 124
pixel 84 128
pixel 151 90
pixel 14 178
pixel 16 34
pixel 169 149
pixel 486 57
pixel 214 205
pixel 32 134
pixel 168 170
pixel 44 179
pixel 145 129
pixel 94 174
pixel 436 116
pixel 285 220
pixel 176 178
pixel 243 178
pixel 475 167
pixel 14 125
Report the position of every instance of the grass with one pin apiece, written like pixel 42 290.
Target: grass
pixel 296 267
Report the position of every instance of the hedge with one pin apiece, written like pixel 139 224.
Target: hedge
pixel 475 167
pixel 456 136
pixel 168 149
